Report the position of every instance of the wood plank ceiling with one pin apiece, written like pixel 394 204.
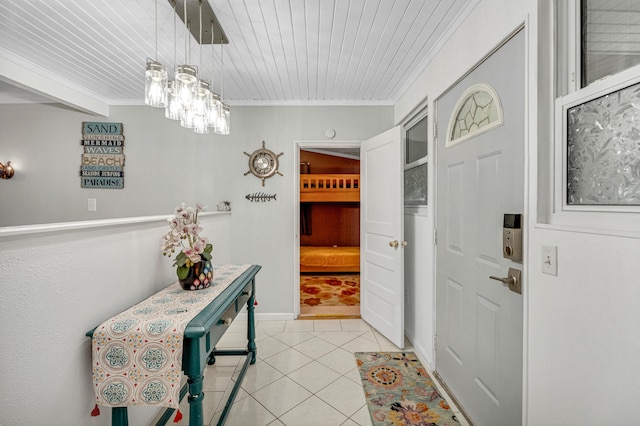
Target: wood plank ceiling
pixel 334 52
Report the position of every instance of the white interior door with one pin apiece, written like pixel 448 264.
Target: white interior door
pixel 479 320
pixel 381 235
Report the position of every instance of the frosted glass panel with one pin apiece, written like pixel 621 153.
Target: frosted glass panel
pixel 415 186
pixel 603 150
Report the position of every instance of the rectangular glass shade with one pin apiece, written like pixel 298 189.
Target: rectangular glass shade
pixel 416 141
pixel 610 39
pixel 603 150
pixel 174 109
pixel 225 120
pixel 155 84
pixel 415 186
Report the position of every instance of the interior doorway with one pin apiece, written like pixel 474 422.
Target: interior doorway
pixel 329 232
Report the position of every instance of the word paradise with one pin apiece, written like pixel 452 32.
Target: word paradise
pixel 103 157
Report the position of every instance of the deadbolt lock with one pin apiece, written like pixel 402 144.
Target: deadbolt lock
pixel 512 237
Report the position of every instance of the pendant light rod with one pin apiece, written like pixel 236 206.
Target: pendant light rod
pixel 155 4
pixel 186 35
pixel 213 62
pixel 200 63
pixel 222 72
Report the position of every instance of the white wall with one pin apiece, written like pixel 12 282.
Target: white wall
pixel 58 285
pixel 263 233
pixel 418 284
pixel 43 144
pixel 581 327
pixel 584 328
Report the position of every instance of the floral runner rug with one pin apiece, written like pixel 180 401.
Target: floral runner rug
pixel 399 391
pixel 330 290
pixel 137 354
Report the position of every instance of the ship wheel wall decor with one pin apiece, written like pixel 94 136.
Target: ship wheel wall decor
pixel 263 163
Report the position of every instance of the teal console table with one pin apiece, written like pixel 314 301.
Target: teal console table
pixel 200 338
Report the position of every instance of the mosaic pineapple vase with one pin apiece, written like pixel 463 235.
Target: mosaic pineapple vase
pixel 199 277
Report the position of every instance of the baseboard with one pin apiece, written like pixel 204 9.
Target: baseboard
pixel 326 316
pixel 422 355
pixel 275 316
pixel 268 316
pixel 427 362
pixel 452 398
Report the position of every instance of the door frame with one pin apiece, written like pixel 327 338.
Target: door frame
pixel 530 216
pixel 298 145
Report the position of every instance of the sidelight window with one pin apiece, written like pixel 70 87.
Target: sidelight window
pixel 610 37
pixel 597 139
pixel 416 162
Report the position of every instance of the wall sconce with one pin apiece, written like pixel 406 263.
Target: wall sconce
pixel 6 172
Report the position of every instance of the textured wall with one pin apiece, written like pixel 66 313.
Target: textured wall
pixel 264 233
pixel 583 330
pixel 57 286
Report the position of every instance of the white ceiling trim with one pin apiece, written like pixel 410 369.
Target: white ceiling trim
pixel 40 85
pixel 308 102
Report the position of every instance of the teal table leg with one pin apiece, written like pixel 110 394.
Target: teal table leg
pixel 196 395
pixel 251 327
pixel 212 357
pixel 119 416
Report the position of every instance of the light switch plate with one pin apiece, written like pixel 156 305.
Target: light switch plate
pixel 550 260
pixel 91 204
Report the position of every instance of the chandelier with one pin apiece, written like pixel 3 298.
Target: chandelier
pixel 189 98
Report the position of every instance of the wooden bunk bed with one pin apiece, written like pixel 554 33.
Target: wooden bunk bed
pixel 329 259
pixel 327 188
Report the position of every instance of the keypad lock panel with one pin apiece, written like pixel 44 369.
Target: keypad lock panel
pixel 512 237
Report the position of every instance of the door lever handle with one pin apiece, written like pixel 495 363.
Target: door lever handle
pixel 505 281
pixel 512 280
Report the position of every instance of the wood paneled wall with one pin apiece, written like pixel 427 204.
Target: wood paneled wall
pixel 321 163
pixel 332 223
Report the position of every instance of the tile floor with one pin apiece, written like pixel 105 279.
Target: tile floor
pixel 305 375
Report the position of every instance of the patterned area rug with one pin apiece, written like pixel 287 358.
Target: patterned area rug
pixel 399 391
pixel 330 290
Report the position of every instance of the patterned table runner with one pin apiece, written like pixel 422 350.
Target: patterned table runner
pixel 137 355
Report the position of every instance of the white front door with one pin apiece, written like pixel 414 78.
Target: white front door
pixel 381 235
pixel 478 319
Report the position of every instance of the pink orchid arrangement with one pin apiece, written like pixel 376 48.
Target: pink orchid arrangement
pixel 185 236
